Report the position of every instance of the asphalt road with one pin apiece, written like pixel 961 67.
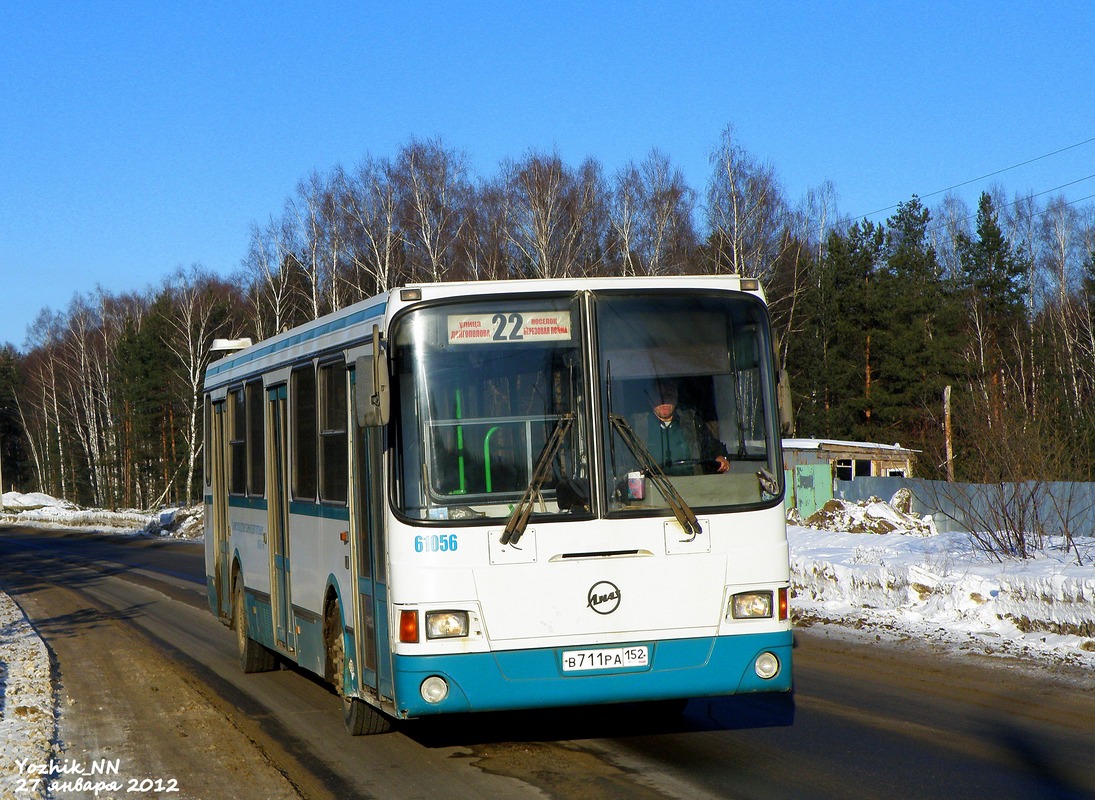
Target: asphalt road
pixel 147 675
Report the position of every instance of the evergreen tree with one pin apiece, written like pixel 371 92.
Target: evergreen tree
pixel 149 395
pixel 833 358
pixel 13 459
pixel 994 285
pixel 1089 280
pixel 915 344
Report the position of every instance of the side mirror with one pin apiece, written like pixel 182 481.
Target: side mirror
pixel 371 392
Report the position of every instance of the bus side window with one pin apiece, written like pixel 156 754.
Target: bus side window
pixel 238 444
pixel 256 440
pixel 304 433
pixel 333 441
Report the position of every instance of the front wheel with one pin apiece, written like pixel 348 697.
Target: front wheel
pixel 360 718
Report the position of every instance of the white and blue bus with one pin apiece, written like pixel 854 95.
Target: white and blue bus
pixel 461 497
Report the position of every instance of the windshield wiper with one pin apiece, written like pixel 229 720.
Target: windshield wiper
pixel 681 510
pixel 518 520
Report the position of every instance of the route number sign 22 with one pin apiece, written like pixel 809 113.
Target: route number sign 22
pixel 509 327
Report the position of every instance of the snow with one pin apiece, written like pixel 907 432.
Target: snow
pixel 27 718
pixel 43 511
pixel 870 565
pixel 873 565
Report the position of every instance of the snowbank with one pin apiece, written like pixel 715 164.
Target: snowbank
pixel 14 501
pixel 27 710
pixel 914 581
pixel 872 516
pixel 44 511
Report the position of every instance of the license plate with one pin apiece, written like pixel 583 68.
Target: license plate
pixel 611 658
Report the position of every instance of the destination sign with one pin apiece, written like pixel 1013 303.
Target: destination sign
pixel 509 327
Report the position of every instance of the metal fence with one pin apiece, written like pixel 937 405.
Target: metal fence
pixel 1055 508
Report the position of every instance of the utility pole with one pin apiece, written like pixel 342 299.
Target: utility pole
pixel 947 433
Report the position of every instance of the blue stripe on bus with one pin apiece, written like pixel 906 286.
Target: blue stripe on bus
pixel 303 508
pixel 307 509
pixel 254 503
pixel 514 679
pixel 261 351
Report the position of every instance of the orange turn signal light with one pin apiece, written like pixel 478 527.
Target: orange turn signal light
pixel 408 627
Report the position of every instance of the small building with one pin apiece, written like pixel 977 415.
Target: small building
pixel 814 465
pixel 850 460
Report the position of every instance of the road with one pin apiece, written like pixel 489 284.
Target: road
pixel 149 678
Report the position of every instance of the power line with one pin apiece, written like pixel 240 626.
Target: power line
pixel 990 175
pixel 1039 194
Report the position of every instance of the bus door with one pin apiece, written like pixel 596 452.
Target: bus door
pixel 374 650
pixel 221 561
pixel 279 519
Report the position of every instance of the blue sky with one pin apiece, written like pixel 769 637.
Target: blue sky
pixel 139 137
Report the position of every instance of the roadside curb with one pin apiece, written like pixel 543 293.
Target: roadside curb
pixel 27 709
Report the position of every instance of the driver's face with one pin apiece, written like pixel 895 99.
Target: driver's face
pixel 664 410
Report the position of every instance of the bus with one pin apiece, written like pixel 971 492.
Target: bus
pixel 450 497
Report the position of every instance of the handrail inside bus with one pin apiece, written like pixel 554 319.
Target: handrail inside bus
pixel 461 479
pixel 462 424
pixel 486 458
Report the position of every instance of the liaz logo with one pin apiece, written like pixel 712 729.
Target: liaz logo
pixel 604 597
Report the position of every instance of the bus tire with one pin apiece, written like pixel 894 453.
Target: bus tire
pixel 253 656
pixel 360 718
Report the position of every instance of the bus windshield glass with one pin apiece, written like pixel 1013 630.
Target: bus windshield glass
pixel 482 386
pixel 688 391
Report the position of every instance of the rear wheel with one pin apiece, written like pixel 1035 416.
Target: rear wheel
pixel 360 718
pixel 253 656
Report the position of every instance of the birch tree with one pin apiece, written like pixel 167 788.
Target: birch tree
pixel 666 234
pixel 486 238
pixel 200 312
pixel 557 216
pixel 369 213
pixel 316 254
pixel 83 351
pixel 266 268
pixel 44 399
pixel 746 214
pixel 1059 229
pixel 624 211
pixel 432 187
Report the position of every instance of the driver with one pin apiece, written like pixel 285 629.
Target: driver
pixel 676 436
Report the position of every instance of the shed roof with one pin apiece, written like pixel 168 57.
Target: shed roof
pixel 837 444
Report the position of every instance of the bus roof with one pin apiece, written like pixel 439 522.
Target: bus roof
pixel 353 324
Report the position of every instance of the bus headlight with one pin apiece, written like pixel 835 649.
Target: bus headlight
pixel 446 624
pixel 434 689
pixel 751 605
pixel 766 666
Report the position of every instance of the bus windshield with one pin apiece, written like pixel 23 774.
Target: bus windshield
pixel 482 386
pixel 493 413
pixel 687 386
